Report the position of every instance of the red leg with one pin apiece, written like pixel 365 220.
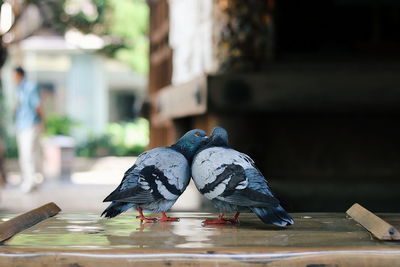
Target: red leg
pixel 234 219
pixel 219 220
pixel 165 218
pixel 142 218
pixel 222 220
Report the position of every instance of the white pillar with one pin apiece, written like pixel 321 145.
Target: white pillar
pixel 87 94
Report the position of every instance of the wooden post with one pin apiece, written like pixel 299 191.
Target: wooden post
pixel 27 220
pixel 378 227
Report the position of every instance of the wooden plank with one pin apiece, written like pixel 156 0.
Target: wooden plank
pixel 182 100
pixel 160 71
pixel 377 226
pixel 160 55
pixel 27 220
pixel 315 257
pixel 161 33
pixel 308 88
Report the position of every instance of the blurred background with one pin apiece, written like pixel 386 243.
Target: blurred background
pixel 309 89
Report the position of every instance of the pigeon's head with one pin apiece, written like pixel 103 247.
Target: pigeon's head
pixel 219 137
pixel 190 142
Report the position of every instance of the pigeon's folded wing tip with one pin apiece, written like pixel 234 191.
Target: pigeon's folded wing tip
pixel 109 198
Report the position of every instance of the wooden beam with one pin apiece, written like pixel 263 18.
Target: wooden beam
pixel 160 55
pixel 177 101
pixel 377 226
pixel 308 87
pixel 26 220
pixel 160 34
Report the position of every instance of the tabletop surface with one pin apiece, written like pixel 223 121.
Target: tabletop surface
pixel 67 231
pixel 86 240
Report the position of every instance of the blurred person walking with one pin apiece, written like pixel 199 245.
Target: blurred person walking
pixel 28 119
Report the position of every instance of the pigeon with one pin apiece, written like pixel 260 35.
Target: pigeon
pixel 157 179
pixel 233 183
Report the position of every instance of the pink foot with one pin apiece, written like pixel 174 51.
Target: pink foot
pixel 150 220
pixel 165 218
pixel 222 220
pixel 143 218
pixel 234 219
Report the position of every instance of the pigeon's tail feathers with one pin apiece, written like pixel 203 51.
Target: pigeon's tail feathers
pixel 116 208
pixel 275 215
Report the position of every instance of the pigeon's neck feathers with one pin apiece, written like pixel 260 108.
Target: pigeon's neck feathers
pixel 219 137
pixel 189 143
pixel 185 148
pixel 216 141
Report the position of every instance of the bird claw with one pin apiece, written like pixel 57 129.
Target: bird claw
pixel 150 220
pixel 165 218
pixel 221 220
pixel 233 221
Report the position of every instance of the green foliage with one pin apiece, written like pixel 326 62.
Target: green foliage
pixel 95 146
pixel 76 14
pixel 130 22
pixel 121 23
pixel 11 147
pixel 59 125
pixel 121 139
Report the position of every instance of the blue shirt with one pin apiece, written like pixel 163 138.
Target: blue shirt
pixel 28 102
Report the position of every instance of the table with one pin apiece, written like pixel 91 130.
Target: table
pixel 316 239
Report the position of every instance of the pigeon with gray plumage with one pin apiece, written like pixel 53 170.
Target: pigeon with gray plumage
pixel 233 183
pixel 157 179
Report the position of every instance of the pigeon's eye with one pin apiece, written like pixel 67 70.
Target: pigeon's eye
pixel 197 134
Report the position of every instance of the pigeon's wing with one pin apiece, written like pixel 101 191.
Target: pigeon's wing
pixel 160 173
pixel 136 195
pixel 131 176
pixel 239 192
pixel 257 181
pixel 166 173
pixel 208 164
pixel 249 198
pixel 220 173
pixel 130 190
